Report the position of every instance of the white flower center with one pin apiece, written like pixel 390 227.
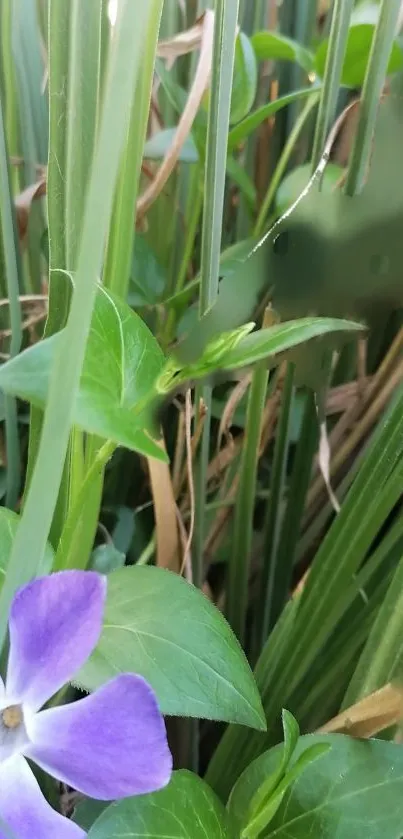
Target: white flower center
pixel 13 733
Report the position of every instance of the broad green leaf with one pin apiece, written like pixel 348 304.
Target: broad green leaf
pixel 244 128
pixel 356 57
pixel 265 815
pixel 244 83
pixel 157 146
pixel 185 809
pixel 237 349
pixel 8 527
pixel 122 361
pixel 272 45
pixel 296 181
pixel 354 791
pixel 158 625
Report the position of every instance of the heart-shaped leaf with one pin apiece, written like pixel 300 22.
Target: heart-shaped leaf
pixel 121 364
pixel 8 527
pixel 186 809
pixel 354 791
pixel 158 625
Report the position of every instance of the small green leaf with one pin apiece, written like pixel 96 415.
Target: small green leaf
pixel 122 362
pixel 291 734
pixel 271 45
pixel 186 809
pixel 267 813
pixel 157 146
pixel 158 625
pixel 356 57
pixel 295 182
pixel 8 527
pixel 237 348
pixel 268 343
pixel 244 128
pixel 244 79
pixel 353 792
pixel 106 558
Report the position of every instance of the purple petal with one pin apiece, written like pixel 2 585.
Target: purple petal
pixel 55 623
pixel 109 745
pixel 24 809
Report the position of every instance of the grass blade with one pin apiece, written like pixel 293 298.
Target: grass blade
pixel 124 61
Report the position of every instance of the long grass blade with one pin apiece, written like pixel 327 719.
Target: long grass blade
pixel 124 61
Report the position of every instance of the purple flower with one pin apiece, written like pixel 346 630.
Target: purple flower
pixel 109 745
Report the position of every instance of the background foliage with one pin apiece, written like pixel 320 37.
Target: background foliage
pixel 200 315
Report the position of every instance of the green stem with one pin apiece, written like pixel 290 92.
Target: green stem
pixel 195 209
pixel 283 163
pixel 273 519
pixel 291 525
pixel 238 572
pixel 334 64
pixel 12 280
pixel 67 555
pixel 373 84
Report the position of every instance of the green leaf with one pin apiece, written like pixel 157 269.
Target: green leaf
pixel 9 522
pixel 291 735
pixel 157 146
pixel 185 809
pixel 356 57
pixel 148 278
pixel 353 792
pixel 295 182
pixel 122 361
pixel 235 350
pixel 268 811
pixel 158 625
pixel 88 811
pixel 244 128
pixel 244 83
pixel 271 45
pixel 106 558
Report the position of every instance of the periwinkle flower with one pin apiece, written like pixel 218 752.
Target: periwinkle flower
pixel 109 745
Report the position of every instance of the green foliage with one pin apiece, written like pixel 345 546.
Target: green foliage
pixel 112 401
pixel 9 522
pixel 202 238
pixel 355 61
pixel 353 790
pixel 185 809
pixel 158 625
